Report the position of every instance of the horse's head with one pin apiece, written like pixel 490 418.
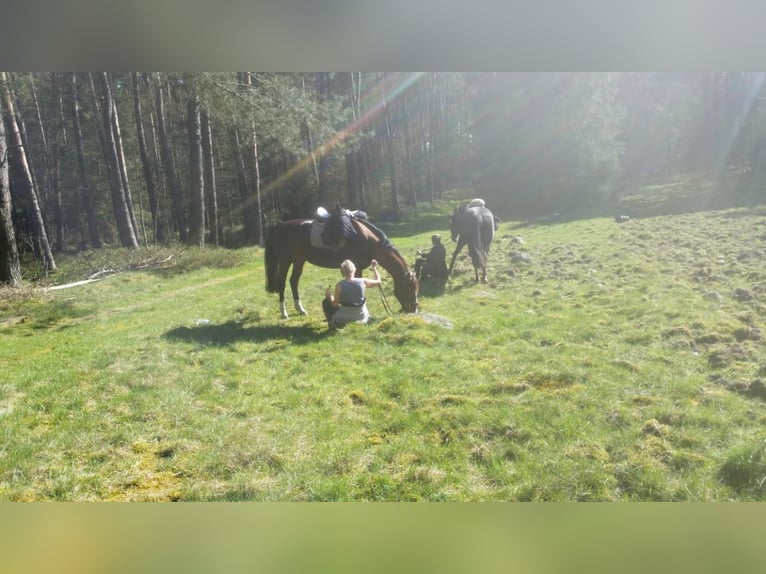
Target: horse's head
pixel 406 292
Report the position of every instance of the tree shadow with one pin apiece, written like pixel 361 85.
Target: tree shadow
pixel 232 332
pixel 674 196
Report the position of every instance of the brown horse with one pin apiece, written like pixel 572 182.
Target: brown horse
pixel 289 243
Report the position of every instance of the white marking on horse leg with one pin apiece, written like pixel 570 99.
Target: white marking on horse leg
pixel 283 309
pixel 299 307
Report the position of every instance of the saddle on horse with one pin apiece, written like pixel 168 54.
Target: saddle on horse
pixel 333 228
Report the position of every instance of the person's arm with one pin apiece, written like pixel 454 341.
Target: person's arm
pixel 334 299
pixel 375 280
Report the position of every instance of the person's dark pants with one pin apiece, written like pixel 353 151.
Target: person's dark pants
pixel 419 267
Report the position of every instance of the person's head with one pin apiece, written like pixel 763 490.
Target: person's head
pixel 347 268
pixel 436 239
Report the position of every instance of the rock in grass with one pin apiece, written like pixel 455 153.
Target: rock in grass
pixel 435 319
pixel 521 257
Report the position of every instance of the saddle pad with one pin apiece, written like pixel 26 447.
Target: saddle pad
pixel 317 227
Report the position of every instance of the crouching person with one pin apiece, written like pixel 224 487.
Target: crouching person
pixel 348 303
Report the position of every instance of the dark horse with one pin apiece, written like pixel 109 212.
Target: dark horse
pixel 475 227
pixel 289 243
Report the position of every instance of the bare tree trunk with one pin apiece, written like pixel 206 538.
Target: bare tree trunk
pixel 146 164
pixel 353 177
pixel 391 158
pixel 25 175
pixel 53 163
pixel 209 175
pixel 248 218
pixel 115 125
pixel 10 269
pixel 196 176
pixel 163 222
pixel 413 195
pixel 42 190
pixel 85 184
pixel 434 138
pixel 168 166
pixel 122 212
pixel 257 190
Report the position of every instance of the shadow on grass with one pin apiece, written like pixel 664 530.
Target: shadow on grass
pixel 232 332
pixel 432 287
pixel 423 223
pixel 676 196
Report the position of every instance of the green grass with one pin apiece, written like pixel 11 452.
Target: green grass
pixel 603 370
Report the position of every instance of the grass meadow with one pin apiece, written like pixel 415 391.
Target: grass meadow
pixel 618 362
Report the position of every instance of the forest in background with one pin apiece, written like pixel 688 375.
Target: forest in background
pixel 144 158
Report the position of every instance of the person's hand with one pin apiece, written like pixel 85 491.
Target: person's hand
pixel 328 294
pixel 373 264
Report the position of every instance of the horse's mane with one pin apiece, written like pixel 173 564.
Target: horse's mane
pixel 384 241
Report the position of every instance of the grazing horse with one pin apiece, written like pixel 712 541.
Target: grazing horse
pixel 289 243
pixel 473 225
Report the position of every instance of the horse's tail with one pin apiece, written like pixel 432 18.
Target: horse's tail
pixel 476 243
pixel 271 260
pixel 487 231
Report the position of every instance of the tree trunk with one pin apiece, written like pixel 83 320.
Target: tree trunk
pixel 10 269
pixel 413 195
pixel 163 221
pixel 248 217
pixel 434 146
pixel 146 164
pixel 391 158
pixel 168 166
pixel 53 163
pixel 19 153
pixel 196 176
pixel 115 125
pixel 257 190
pixel 322 166
pixel 209 177
pixel 353 181
pixel 87 195
pixel 122 213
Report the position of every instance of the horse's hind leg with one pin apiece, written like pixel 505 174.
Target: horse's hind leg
pixel 295 276
pixel 460 244
pixel 281 290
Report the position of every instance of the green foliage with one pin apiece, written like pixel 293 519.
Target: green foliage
pixel 548 142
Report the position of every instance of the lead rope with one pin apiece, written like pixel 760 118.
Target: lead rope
pixel 386 306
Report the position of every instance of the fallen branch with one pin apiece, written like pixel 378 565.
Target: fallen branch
pixel 75 284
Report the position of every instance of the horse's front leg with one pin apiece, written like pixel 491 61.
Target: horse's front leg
pixel 295 276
